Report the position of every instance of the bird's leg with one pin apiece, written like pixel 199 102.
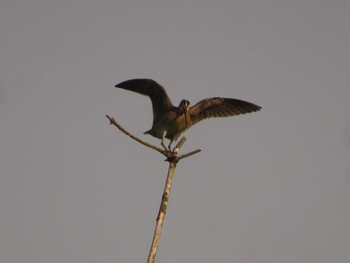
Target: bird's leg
pixel 171 141
pixel 162 141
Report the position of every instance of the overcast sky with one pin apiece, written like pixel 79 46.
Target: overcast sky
pixel 268 187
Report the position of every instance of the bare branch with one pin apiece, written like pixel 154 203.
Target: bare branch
pixel 113 121
pixel 161 213
pixel 173 159
pixel 171 156
pixel 179 145
pixel 188 154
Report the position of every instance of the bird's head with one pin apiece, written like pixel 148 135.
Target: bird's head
pixel 184 106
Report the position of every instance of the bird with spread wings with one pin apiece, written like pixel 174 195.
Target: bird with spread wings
pixel 170 121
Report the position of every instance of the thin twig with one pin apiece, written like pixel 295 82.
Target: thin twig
pixel 188 154
pixel 113 121
pixel 179 145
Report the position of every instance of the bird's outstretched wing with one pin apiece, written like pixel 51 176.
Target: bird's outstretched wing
pixel 220 107
pixel 148 87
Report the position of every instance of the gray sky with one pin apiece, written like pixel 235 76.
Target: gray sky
pixel 272 186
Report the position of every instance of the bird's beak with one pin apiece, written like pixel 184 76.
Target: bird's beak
pixel 184 106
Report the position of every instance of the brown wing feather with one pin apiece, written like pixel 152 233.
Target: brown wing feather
pixel 220 107
pixel 148 87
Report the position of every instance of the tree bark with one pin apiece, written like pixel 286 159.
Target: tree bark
pixel 162 213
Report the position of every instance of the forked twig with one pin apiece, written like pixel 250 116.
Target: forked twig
pixel 173 159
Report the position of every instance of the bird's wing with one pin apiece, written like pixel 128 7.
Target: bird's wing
pixel 220 107
pixel 148 87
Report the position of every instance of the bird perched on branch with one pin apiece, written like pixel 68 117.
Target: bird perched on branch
pixel 170 121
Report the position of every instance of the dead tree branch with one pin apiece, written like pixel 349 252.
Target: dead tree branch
pixel 173 159
pixel 161 214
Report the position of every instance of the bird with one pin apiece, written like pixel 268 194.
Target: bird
pixel 170 121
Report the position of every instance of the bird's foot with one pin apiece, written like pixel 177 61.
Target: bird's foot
pixel 165 148
pixel 169 147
